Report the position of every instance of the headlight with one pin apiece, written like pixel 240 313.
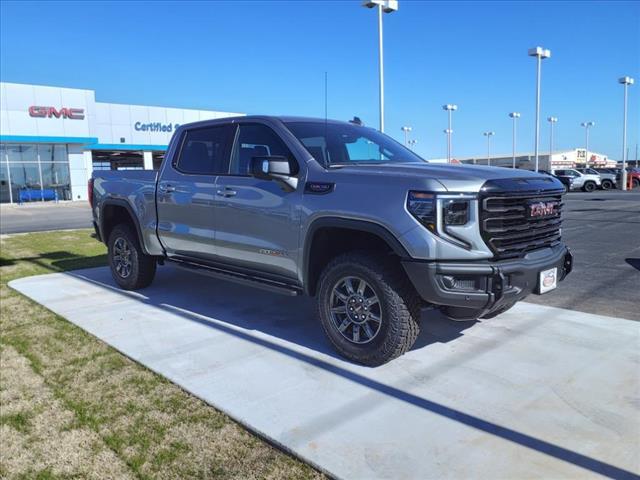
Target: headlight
pixel 444 214
pixel 455 212
pixel 422 205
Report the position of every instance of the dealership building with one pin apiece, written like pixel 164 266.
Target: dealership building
pixel 574 158
pixel 52 138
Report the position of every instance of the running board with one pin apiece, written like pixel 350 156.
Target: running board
pixel 264 284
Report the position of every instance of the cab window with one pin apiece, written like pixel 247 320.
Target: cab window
pixel 203 151
pixel 256 140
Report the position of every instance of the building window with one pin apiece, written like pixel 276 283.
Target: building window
pixel 117 160
pixel 34 173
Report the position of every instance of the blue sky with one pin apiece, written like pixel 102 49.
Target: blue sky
pixel 270 58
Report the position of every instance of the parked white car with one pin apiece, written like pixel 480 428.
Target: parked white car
pixel 587 182
pixel 607 178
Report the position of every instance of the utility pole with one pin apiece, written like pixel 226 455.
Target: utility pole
pixel 383 6
pixel 515 116
pixel 540 54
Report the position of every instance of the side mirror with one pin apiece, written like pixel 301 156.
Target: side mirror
pixel 274 167
pixel 270 167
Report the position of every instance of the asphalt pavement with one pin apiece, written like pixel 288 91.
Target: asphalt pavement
pixel 39 217
pixel 602 229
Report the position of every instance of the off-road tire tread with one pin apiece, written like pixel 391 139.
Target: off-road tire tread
pixel 396 292
pixel 144 269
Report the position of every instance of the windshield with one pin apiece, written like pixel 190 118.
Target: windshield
pixel 346 144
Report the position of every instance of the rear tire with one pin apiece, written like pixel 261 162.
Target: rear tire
pixel 589 186
pixel 130 267
pixel 355 289
pixel 607 184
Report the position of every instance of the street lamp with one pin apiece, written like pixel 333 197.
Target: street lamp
pixel 406 131
pixel 587 126
pixel 515 116
pixel 540 53
pixel 412 143
pixel 552 121
pixel 383 6
pixel 626 81
pixel 489 135
pixel 450 109
pixel 448 132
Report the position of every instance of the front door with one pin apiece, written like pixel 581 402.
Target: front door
pixel 256 226
pixel 187 192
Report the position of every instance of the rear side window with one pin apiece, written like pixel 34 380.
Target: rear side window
pixel 203 151
pixel 256 140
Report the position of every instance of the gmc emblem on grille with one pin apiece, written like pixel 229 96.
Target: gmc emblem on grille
pixel 542 209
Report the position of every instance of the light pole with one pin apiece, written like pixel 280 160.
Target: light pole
pixel 450 108
pixel 412 143
pixel 406 131
pixel 383 6
pixel 626 81
pixel 489 135
pixel 587 126
pixel 540 53
pixel 515 116
pixel 448 132
pixel 552 121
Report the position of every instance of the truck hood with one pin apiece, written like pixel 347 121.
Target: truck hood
pixel 454 177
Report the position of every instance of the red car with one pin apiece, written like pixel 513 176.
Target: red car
pixel 633 176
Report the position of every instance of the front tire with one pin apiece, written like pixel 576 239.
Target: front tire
pixel 607 184
pixel 368 309
pixel 130 267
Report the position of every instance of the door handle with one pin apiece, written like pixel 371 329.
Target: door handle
pixel 167 188
pixel 227 192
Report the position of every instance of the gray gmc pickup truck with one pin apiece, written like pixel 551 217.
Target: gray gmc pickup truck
pixel 341 212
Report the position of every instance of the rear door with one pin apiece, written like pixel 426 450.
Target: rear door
pixel 187 191
pixel 256 227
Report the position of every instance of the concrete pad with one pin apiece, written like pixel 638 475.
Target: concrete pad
pixel 536 392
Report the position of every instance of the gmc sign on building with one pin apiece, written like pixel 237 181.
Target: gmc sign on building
pixel 52 112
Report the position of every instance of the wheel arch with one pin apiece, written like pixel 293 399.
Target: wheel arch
pixel 114 212
pixel 375 234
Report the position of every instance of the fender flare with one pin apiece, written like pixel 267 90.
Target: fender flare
pixel 117 202
pixel 349 224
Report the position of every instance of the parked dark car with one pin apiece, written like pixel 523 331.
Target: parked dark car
pixel 565 180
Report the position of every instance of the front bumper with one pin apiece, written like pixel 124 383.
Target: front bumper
pixel 475 289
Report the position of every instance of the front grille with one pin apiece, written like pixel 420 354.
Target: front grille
pixel 510 231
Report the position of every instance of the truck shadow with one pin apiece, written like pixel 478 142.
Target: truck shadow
pixel 293 319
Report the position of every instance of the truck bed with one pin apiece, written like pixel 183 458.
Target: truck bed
pixel 134 190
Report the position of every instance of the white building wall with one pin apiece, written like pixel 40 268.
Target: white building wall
pixel 78 172
pixel 147 158
pixel 17 98
pixel 115 122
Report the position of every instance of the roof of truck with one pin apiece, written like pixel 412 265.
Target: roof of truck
pixel 248 118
